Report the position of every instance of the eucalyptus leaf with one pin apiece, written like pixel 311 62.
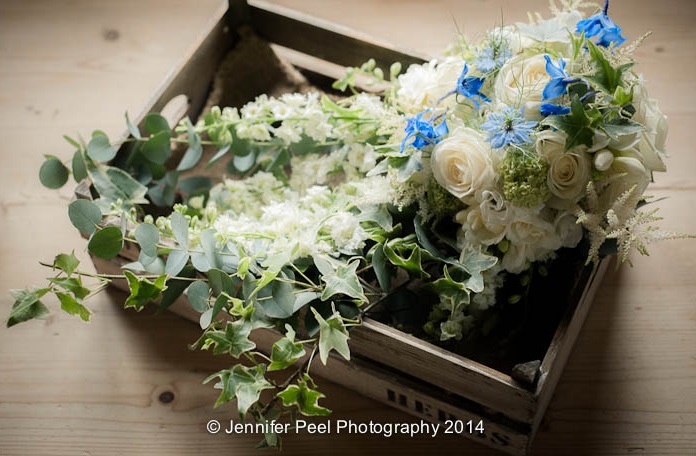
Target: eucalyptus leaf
pixel 208 243
pixel 195 150
pixel 132 128
pixel 155 123
pixel 198 294
pixel 163 191
pixel 79 169
pixel 180 227
pixel 194 185
pixel 84 215
pixel 53 173
pixel 220 281
pixel 100 149
pixel 244 163
pixel 147 236
pixel 113 184
pixel 176 261
pixel 106 243
pixel 157 148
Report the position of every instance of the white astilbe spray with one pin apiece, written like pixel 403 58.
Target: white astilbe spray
pixel 624 222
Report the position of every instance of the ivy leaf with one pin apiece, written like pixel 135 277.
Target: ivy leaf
pixel 100 149
pixel 606 77
pixel 412 263
pixel 475 262
pixel 305 398
pixel 304 298
pixel 106 243
pixel 198 295
pixel 73 306
pixel 195 150
pixel 27 305
pixel 286 351
pixel 142 291
pixel 343 280
pixel 247 383
pixel 66 263
pixel 332 336
pixel 621 127
pixel 71 284
pixel 147 236
pixel 379 265
pixel 53 173
pixel 233 340
pixel 577 125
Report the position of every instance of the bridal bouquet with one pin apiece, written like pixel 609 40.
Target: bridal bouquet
pixel 438 187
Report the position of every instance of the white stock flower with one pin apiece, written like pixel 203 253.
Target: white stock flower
pixel 464 164
pixel 551 33
pixel 521 82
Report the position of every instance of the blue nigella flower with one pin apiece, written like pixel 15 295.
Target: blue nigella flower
pixel 559 79
pixel 549 109
pixel 508 126
pixel 601 26
pixel 423 132
pixel 492 56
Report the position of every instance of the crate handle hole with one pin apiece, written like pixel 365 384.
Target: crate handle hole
pixel 175 109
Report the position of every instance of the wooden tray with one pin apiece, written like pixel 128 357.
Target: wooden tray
pixel 388 365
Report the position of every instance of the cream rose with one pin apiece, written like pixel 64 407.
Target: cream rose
pixel 521 82
pixel 423 86
pixel 569 171
pixel 464 164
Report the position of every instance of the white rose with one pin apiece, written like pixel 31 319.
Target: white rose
pixel 521 82
pixel 568 230
pixel 651 145
pixel 485 223
pixel 631 172
pixel 464 164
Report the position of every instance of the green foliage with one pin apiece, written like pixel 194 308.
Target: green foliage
pixel 99 148
pixel 106 243
pixel 27 305
pixel 234 340
pixel 142 291
pixel 66 263
pixel 605 77
pixel 147 236
pixel 286 351
pixel 73 306
pixel 84 215
pixel 198 295
pixel 578 125
pixel 53 173
pixel 195 149
pixel 304 397
pixel 332 336
pixel 243 383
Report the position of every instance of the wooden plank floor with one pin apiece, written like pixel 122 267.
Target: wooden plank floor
pixel 67 388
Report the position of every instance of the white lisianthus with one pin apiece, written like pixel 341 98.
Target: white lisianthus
pixel 464 164
pixel 568 230
pixel 521 82
pixel 651 145
pixel 485 223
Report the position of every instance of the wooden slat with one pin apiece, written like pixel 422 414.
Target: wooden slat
pixel 323 39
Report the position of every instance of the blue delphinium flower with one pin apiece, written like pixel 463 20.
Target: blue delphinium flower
pixel 559 79
pixel 470 87
pixel 424 132
pixel 492 56
pixel 601 26
pixel 508 126
pixel 549 109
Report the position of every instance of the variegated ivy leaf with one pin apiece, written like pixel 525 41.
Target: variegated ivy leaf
pixel 340 278
pixel 233 340
pixel 304 397
pixel 142 291
pixel 286 351
pixel 332 336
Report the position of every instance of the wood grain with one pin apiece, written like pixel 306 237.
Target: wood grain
pixel 68 388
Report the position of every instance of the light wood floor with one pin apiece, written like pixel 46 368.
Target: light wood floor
pixel 69 389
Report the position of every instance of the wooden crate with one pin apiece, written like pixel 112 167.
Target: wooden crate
pixel 387 365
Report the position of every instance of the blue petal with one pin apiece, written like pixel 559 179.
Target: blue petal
pixel 548 109
pixel 554 88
